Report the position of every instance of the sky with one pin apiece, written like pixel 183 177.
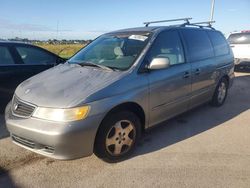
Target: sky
pixel 80 19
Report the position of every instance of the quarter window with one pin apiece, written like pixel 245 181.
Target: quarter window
pixel 35 56
pixel 219 43
pixel 5 56
pixel 198 44
pixel 167 44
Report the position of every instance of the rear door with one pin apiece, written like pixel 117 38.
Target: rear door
pixel 169 88
pixel 33 61
pixel 200 55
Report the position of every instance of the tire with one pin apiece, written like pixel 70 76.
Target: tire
pixel 220 93
pixel 117 136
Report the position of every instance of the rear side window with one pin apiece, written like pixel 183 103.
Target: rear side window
pixel 219 42
pixel 34 56
pixel 198 44
pixel 167 44
pixel 5 56
pixel 239 38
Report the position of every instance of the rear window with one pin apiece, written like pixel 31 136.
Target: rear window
pixel 35 56
pixel 239 38
pixel 199 46
pixel 219 42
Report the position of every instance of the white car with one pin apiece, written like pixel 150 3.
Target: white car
pixel 240 44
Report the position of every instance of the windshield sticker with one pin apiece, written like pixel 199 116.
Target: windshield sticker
pixel 138 37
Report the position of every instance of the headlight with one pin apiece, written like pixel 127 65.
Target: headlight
pixel 62 115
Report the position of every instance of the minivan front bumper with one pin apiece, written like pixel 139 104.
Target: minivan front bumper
pixel 57 140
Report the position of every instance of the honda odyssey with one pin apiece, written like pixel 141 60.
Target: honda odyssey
pixel 124 82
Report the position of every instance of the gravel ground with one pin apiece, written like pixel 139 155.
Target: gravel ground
pixel 206 147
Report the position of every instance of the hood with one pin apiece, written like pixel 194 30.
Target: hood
pixel 66 85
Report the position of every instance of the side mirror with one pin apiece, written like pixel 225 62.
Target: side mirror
pixel 159 63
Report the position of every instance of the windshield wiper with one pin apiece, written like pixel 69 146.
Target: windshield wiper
pixel 89 63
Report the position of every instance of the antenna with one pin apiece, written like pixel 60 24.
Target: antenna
pixel 172 20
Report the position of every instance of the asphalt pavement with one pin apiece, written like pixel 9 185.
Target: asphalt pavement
pixel 206 147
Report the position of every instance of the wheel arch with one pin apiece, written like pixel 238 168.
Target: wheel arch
pixel 126 106
pixel 129 106
pixel 226 77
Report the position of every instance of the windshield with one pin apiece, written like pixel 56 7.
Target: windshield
pixel 117 51
pixel 239 38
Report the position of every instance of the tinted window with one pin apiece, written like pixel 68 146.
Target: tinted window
pixel 239 38
pixel 219 42
pixel 5 56
pixel 35 56
pixel 167 44
pixel 198 44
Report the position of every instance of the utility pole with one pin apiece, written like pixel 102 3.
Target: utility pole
pixel 212 11
pixel 57 29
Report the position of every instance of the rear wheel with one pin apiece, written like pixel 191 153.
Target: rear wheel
pixel 220 93
pixel 117 136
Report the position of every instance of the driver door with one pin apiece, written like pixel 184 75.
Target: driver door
pixel 169 88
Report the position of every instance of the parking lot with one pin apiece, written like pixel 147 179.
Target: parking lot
pixel 207 147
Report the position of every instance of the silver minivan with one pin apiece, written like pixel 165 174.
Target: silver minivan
pixel 121 84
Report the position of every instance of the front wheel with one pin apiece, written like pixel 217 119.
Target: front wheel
pixel 220 93
pixel 117 136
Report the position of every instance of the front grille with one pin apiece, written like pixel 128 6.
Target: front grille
pixel 23 141
pixel 22 109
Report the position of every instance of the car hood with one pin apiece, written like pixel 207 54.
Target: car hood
pixel 66 85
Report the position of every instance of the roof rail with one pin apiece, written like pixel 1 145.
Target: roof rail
pixel 172 20
pixel 200 24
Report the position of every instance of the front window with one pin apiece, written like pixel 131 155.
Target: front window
pixel 167 45
pixel 116 51
pixel 5 56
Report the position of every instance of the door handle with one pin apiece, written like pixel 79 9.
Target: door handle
pixel 197 71
pixel 186 74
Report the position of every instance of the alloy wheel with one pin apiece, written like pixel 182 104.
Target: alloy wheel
pixel 222 90
pixel 120 138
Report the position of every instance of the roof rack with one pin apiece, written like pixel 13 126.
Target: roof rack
pixel 200 24
pixel 172 20
pixel 208 22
